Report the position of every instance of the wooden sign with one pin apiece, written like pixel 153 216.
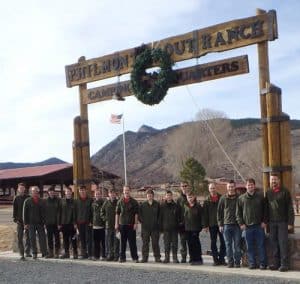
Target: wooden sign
pixel 199 73
pixel 221 37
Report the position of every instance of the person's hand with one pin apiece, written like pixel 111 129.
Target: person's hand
pixel 243 227
pixel 59 227
pixel 117 227
pixel 263 225
pixel 135 226
pixel 221 229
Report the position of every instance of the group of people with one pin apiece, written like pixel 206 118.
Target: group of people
pixel 104 226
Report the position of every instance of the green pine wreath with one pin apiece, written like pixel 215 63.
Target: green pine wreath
pixel 151 88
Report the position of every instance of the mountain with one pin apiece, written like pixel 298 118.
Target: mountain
pixel 10 165
pixel 226 148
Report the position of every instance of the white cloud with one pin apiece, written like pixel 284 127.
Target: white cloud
pixel 40 37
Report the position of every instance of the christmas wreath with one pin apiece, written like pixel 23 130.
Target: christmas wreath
pixel 151 88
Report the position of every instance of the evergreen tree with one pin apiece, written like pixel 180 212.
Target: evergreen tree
pixel 194 173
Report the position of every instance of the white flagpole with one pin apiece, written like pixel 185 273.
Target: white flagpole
pixel 124 152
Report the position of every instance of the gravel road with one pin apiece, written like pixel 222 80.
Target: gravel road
pixel 30 271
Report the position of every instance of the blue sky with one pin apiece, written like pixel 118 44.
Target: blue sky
pixel 38 38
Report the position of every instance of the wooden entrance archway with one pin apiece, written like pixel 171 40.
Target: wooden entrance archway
pixel 258 30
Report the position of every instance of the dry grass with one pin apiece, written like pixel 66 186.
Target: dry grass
pixel 6 237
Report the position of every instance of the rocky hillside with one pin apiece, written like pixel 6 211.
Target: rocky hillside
pixel 155 156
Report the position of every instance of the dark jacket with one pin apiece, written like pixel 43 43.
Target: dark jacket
pixel 67 214
pixel 18 208
pixel 250 209
pixel 227 210
pixel 127 211
pixel 181 202
pixel 97 219
pixel 108 213
pixel 193 217
pixel 34 213
pixel 83 211
pixel 279 206
pixel 169 216
pixel 210 211
pixel 149 216
pixel 52 210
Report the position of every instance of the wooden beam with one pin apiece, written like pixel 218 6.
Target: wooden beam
pixel 264 80
pixel 220 37
pixel 196 74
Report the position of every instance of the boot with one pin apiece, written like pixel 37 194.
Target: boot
pixel 65 255
pixel 167 257
pixel 183 259
pixel 175 259
pixel 75 254
pixel 50 254
pixel 216 261
pixel 56 255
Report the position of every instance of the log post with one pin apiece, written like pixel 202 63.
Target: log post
pixel 77 156
pixel 286 153
pixel 264 78
pixel 85 144
pixel 273 99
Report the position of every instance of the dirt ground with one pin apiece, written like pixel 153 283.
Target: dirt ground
pixel 6 237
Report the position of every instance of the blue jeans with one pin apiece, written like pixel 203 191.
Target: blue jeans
pixel 232 236
pixel 255 240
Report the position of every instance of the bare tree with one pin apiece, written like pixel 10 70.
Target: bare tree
pixel 198 139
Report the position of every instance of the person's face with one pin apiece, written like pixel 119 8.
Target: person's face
pixel 212 189
pixel 169 197
pixel 250 186
pixel 35 192
pixel 150 197
pixel 21 189
pixel 184 187
pixel 231 188
pixel 82 192
pixel 126 191
pixel 68 193
pixel 98 194
pixel 274 181
pixel 191 199
pixel 51 193
pixel 112 195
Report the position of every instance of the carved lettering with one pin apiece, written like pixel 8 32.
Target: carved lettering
pixel 257 29
pixel 179 49
pixel 206 41
pixel 219 40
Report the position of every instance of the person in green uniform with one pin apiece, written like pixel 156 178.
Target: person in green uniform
pixel 210 208
pixel 280 217
pixel 229 227
pixel 67 224
pixel 98 227
pixel 52 209
pixel 126 222
pixel 169 221
pixel 108 213
pixel 193 219
pixel 181 201
pixel 251 219
pixel 34 221
pixel 18 205
pixel 84 219
pixel 149 218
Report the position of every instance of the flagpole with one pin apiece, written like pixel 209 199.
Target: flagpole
pixel 124 152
